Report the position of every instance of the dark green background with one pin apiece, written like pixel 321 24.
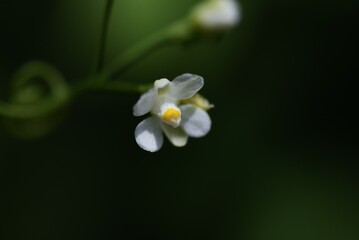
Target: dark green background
pixel 279 163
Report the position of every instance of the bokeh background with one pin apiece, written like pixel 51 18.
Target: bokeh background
pixel 279 163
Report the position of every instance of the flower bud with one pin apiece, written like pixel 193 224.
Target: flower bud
pixel 216 15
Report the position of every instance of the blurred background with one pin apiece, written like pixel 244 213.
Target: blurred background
pixel 279 163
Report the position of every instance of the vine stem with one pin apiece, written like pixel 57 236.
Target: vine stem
pixel 120 86
pixel 104 34
pixel 133 55
pixel 113 86
pixel 176 33
pixel 51 104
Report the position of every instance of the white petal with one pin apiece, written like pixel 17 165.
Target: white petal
pixel 177 136
pixel 161 83
pixel 186 85
pixel 149 135
pixel 195 121
pixel 145 103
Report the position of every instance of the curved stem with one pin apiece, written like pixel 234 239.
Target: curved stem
pixel 51 103
pixel 44 71
pixel 179 32
pixel 104 33
pixel 41 103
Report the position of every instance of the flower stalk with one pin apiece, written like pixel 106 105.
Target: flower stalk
pixel 212 16
pixel 104 34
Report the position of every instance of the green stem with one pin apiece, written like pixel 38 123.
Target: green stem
pixel 52 104
pixel 116 86
pixel 20 111
pixel 172 34
pixel 179 32
pixel 133 55
pixel 113 86
pixel 104 33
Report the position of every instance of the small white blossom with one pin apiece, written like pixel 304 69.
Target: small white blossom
pixel 171 114
pixel 216 15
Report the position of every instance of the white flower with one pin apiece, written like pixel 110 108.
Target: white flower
pixel 178 121
pixel 216 15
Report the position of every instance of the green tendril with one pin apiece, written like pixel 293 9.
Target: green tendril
pixel 38 89
pixel 45 101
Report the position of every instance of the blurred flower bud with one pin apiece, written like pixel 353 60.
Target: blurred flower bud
pixel 216 15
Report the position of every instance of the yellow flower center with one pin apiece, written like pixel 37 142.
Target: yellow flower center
pixel 172 116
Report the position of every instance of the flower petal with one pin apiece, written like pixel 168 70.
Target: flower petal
pixel 186 85
pixel 177 136
pixel 195 121
pixel 148 134
pixel 145 103
pixel 161 83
